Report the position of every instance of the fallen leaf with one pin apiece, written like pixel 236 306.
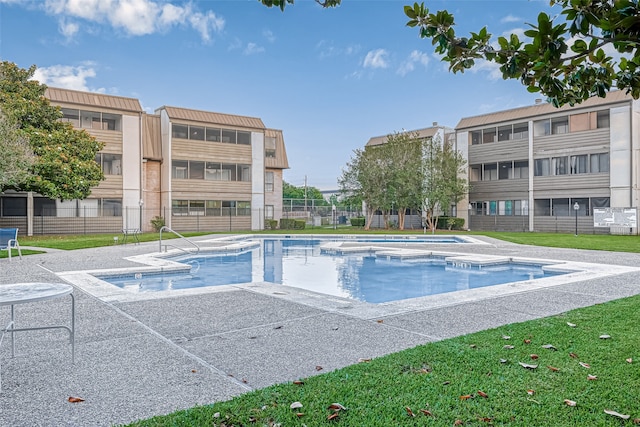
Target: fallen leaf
pixel 503 360
pixel 253 419
pixel 592 377
pixel 466 397
pixel 483 394
pixel 278 327
pixel 506 337
pixel 508 347
pixel 380 321
pixel 636 420
pixel 295 405
pixel 363 360
pixel 531 392
pixel 75 399
pixel 570 402
pixel 336 407
pixel 446 383
pixel 571 325
pixel 486 419
pixel 573 355
pixel 585 365
pixel 427 413
pixel 525 365
pixel 472 346
pixel 605 337
pixel 193 371
pixel 318 368
pixel 527 341
pixel 616 414
pixel 333 416
pixel 298 382
pixel 458 423
pixel 409 411
pixel 216 415
pixel 629 360
pixel 244 380
pixel 534 356
pixel 549 347
pixel 553 368
pixel 299 414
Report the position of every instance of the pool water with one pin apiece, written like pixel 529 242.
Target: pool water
pixel 360 276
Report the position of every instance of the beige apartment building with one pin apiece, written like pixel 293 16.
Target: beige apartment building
pixel 199 170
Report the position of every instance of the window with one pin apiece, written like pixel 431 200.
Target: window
pixel 505 133
pixel 111 163
pixel 583 205
pixel 475 137
pixel 521 207
pixel 603 119
pixel 504 170
pixel 179 169
pixel 179 131
pixel 541 167
pixel 521 169
pixel 179 207
pixel 560 207
pixel 268 182
pixel 213 171
pixel 559 165
pixel 244 173
pixel 475 173
pixel 268 211
pixel 490 172
pixel 213 208
pixel 43 206
pixel 270 147
pixel 213 135
pixel 14 206
pixel 244 138
pixel 521 131
pixel 196 170
pixel 501 207
pixel 229 136
pixel 542 128
pixel 492 207
pixel 578 164
pixel 71 116
pixel 196 133
pixel 560 125
pixel 243 208
pixel 600 202
pixel 228 208
pixel 600 163
pixel 488 135
pixel 111 121
pixel 196 207
pixel 542 207
pixel 228 172
pixel 90 120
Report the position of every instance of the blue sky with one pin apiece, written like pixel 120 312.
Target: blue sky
pixel 330 79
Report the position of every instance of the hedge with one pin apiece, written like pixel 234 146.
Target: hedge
pixel 271 224
pixel 444 222
pixel 357 221
pixel 292 224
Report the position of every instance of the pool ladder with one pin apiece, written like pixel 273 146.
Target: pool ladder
pixel 165 228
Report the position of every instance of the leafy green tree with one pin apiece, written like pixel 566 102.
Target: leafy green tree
pixel 563 57
pixel 290 191
pixel 17 158
pixel 64 166
pixel 444 181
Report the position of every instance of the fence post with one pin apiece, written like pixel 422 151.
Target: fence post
pixel 84 219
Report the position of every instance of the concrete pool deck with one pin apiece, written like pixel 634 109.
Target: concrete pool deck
pixel 136 358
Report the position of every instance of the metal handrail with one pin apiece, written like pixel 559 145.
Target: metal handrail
pixel 165 228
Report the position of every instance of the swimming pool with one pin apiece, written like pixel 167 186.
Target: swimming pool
pixel 329 267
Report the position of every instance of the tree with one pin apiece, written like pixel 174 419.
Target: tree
pixel 64 166
pixel 290 191
pixel 444 182
pixel 565 61
pixel 17 158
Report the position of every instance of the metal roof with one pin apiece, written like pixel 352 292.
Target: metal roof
pixel 208 117
pixel 538 110
pixel 93 99
pixel 422 133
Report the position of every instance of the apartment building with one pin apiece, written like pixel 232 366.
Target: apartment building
pixel 199 170
pixel 530 167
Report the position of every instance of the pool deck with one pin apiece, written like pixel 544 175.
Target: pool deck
pixel 140 357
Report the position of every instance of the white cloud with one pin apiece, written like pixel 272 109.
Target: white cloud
pixel 415 57
pixel 268 34
pixel 68 28
pixel 65 76
pixel 491 68
pixel 327 49
pixel 510 18
pixel 252 49
pixel 376 59
pixel 137 17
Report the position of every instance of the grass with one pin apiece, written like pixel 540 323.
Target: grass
pixel 14 253
pixel 600 242
pixel 446 379
pixel 84 241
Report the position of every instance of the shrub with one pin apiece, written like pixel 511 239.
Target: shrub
pixel 157 222
pixel 450 223
pixel 357 221
pixel 299 224
pixel 292 224
pixel 271 224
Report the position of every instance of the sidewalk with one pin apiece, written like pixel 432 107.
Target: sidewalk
pixel 137 359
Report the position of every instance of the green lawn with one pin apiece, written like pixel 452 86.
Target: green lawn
pixel 473 380
pixel 83 241
pixel 601 242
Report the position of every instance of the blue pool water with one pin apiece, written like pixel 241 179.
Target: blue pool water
pixel 362 276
